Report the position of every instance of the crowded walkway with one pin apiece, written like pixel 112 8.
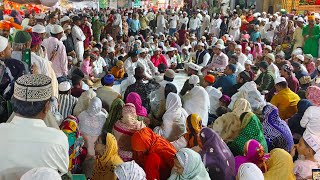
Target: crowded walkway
pixel 177 93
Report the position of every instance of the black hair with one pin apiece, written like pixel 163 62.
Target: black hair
pixel 85 55
pixel 76 80
pixel 168 79
pixel 139 73
pixel 245 76
pixel 302 94
pixel 162 68
pixel 235 57
pixel 28 109
pixel 170 88
pixel 221 111
pixel 98 46
pixel 243 115
pixel 282 84
pixel 77 72
pixel 120 58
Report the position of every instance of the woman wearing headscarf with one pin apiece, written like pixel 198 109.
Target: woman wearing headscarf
pixel 257 51
pixel 197 102
pixel 91 122
pixel 188 165
pixel 130 171
pixel 249 171
pixel 276 131
pixel 173 125
pixel 76 153
pixel 255 153
pixel 192 137
pixel 124 128
pixel 135 99
pixel 114 114
pixel 107 158
pixel 83 101
pixel 281 31
pixel 153 153
pixel 216 156
pixel 280 166
pixel 294 121
pixel 228 125
pixel 251 128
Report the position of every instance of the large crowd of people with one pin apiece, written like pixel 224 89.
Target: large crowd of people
pixel 99 93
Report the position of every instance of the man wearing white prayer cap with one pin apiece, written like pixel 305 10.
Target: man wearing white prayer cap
pixel 56 52
pixel 202 55
pixel 241 57
pixel 41 146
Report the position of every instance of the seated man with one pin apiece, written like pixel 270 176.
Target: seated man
pixel 285 100
pixel 226 81
pixel 265 80
pixel 28 142
pixel 106 93
pixel 66 100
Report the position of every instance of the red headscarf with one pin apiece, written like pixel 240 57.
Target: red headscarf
pixel 147 144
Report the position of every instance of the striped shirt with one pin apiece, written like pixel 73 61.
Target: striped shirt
pixel 67 103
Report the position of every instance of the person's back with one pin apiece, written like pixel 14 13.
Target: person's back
pixel 30 143
pixel 286 101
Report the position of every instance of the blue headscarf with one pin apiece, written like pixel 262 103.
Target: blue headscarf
pixel 276 131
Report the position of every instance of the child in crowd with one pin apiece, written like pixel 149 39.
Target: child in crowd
pixel 118 71
pixel 77 90
pixel 307 147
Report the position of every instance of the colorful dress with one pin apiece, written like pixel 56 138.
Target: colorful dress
pixel 77 153
pixel 250 129
pixel 216 155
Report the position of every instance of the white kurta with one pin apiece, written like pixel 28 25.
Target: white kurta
pixel 161 24
pixel 205 24
pixel 234 28
pixel 215 27
pixel 29 143
pixel 78 38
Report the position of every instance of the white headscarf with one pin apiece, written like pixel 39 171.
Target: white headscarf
pixel 92 120
pixel 130 171
pixel 174 119
pixel 83 101
pixel 250 92
pixel 41 173
pixel 197 102
pixel 249 171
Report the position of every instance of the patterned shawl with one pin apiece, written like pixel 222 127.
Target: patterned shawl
pixel 76 153
pixel 216 155
pixel 276 131
pixel 250 129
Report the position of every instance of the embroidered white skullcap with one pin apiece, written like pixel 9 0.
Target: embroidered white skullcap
pixel 33 88
pixel 64 86
pixel 194 79
pixel 300 57
pixel 3 44
pixel 279 80
pixel 65 18
pixel 38 29
pixel 41 174
pixel 56 29
pixel 312 140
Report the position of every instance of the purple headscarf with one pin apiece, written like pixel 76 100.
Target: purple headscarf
pixel 216 155
pixel 135 99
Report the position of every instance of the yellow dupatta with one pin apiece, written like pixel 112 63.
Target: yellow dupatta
pixel 106 164
pixel 280 166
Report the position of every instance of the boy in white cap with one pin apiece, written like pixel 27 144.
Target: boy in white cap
pixel 67 101
pixel 270 58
